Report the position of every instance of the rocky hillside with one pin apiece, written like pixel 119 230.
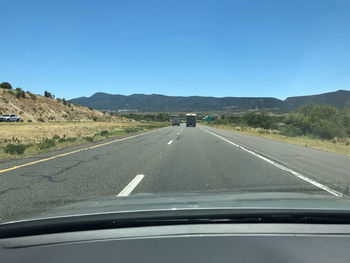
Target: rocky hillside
pixel 32 107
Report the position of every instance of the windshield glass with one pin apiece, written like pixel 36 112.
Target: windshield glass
pixel 144 105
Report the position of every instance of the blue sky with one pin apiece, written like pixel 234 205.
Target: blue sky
pixel 211 48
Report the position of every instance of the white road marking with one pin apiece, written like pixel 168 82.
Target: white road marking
pixel 302 177
pixel 132 185
pixel 170 142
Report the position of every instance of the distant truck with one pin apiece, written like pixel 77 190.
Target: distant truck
pixel 191 120
pixel 9 118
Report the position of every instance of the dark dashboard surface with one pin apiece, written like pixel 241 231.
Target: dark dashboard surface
pixel 187 243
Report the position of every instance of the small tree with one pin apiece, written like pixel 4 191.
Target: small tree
pixel 5 85
pixel 163 116
pixel 20 93
pixel 48 94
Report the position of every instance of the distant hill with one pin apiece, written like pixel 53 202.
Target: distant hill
pixel 155 102
pixel 32 107
pixel 339 99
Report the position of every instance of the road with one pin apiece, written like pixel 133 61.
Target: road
pixel 168 160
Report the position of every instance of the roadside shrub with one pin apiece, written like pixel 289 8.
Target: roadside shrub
pixel 259 120
pixel 291 131
pixel 321 121
pixel 163 116
pixel 55 137
pixel 104 133
pixel 29 121
pixel 48 143
pixel 132 129
pixel 89 138
pixel 14 148
pixel 41 120
pixel 67 139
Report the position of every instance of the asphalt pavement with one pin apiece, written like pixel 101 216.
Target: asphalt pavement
pixel 168 160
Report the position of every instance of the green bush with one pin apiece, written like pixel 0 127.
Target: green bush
pixel 69 139
pixel 48 95
pixel 20 93
pixel 259 120
pixel 163 116
pixel 48 143
pixel 55 137
pixel 321 121
pixel 89 138
pixel 5 85
pixel 104 133
pixel 14 148
pixel 132 129
pixel 291 131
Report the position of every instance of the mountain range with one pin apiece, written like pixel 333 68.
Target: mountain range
pixel 156 102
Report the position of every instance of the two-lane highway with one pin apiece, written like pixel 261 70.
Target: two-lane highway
pixel 168 160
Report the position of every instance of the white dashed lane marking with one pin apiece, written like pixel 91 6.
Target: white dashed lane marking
pixel 132 185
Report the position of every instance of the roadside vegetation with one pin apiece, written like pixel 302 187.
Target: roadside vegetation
pixel 27 139
pixel 147 117
pixel 318 126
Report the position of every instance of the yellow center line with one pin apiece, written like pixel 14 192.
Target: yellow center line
pixel 76 151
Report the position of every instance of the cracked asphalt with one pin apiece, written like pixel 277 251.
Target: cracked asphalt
pixel 195 161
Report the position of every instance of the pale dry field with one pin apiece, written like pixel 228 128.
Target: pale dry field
pixel 34 136
pixel 37 132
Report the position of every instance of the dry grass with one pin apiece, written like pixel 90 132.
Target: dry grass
pixel 341 146
pixel 32 134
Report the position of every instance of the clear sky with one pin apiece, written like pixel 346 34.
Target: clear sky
pixel 183 47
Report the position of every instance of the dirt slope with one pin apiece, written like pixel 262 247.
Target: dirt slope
pixel 39 108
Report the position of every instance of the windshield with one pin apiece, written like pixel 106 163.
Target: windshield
pixel 146 105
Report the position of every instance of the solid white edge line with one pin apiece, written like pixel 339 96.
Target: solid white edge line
pixel 170 142
pixel 303 177
pixel 132 185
